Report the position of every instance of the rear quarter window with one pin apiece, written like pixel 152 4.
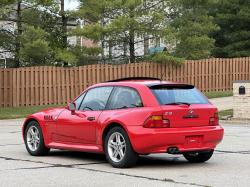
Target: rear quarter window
pixel 168 95
pixel 125 97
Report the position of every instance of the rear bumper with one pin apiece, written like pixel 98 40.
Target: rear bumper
pixel 147 140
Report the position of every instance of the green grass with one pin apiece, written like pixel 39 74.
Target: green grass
pixel 23 112
pixel 211 95
pixel 225 113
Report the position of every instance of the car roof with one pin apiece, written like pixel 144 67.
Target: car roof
pixel 147 81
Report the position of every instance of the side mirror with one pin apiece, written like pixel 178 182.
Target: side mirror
pixel 72 108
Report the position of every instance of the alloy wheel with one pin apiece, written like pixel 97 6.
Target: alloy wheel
pixel 116 147
pixel 33 138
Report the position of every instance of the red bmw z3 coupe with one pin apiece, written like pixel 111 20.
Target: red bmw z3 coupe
pixel 127 117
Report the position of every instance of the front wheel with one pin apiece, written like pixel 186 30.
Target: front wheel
pixel 118 149
pixel 34 141
pixel 199 157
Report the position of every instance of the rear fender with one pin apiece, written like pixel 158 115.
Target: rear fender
pixel 125 118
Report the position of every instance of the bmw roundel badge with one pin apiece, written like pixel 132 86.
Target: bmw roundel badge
pixel 191 111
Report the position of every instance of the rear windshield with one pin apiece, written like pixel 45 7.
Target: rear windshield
pixel 169 95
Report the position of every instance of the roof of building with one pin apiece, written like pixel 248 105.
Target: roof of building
pixel 157 49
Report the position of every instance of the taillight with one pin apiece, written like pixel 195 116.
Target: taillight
pixel 156 122
pixel 214 120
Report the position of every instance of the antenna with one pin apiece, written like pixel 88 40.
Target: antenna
pixel 162 75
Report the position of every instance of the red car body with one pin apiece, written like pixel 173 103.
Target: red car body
pixel 63 130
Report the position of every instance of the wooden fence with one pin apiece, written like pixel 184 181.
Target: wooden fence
pixel 43 85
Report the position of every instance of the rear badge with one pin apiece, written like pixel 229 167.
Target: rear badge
pixel 168 113
pixel 191 112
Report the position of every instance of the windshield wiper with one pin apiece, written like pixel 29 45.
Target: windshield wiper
pixel 178 103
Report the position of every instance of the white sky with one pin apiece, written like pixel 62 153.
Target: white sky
pixel 71 4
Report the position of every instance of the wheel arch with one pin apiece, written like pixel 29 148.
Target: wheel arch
pixel 107 129
pixel 26 124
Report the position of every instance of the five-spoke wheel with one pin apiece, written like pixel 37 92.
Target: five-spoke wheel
pixel 118 149
pixel 34 140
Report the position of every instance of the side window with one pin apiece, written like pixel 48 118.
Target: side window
pixel 79 100
pixel 96 99
pixel 125 97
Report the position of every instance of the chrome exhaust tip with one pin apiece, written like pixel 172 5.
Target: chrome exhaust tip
pixel 172 150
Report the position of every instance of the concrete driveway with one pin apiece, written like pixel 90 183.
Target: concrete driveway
pixel 223 103
pixel 229 165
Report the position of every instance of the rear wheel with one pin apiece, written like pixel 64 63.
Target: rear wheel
pixel 34 141
pixel 118 149
pixel 199 157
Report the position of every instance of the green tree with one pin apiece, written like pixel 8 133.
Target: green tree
pixel 192 24
pixel 48 21
pixel 7 2
pixel 11 27
pixel 233 40
pixel 123 25
pixel 4 7
pixel 35 49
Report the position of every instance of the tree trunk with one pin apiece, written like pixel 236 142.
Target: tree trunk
pixel 64 28
pixel 132 38
pixel 194 10
pixel 19 32
pixel 132 48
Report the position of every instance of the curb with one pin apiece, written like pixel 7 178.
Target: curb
pixel 235 122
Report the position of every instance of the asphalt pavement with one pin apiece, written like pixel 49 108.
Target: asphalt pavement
pixel 229 166
pixel 223 103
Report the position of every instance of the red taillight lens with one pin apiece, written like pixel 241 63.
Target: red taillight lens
pixel 156 122
pixel 214 120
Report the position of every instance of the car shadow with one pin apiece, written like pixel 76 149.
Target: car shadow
pixel 161 161
pixel 152 160
pixel 78 155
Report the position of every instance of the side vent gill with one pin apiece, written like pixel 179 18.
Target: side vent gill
pixel 48 118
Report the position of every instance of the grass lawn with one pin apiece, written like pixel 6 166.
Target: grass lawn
pixel 211 95
pixel 225 113
pixel 23 112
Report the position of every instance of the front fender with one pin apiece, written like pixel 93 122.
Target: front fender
pixel 45 118
pixel 37 117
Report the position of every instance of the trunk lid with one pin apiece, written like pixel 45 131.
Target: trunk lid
pixel 194 115
pixel 183 105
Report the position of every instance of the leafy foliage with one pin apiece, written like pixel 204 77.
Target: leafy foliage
pixel 7 2
pixel 233 39
pixel 35 49
pixel 192 24
pixel 122 26
pixel 40 36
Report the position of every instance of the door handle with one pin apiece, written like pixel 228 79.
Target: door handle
pixel 91 118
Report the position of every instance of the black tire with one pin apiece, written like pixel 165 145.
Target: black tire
pixel 199 157
pixel 130 156
pixel 41 149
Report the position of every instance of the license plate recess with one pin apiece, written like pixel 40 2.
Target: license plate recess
pixel 193 141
